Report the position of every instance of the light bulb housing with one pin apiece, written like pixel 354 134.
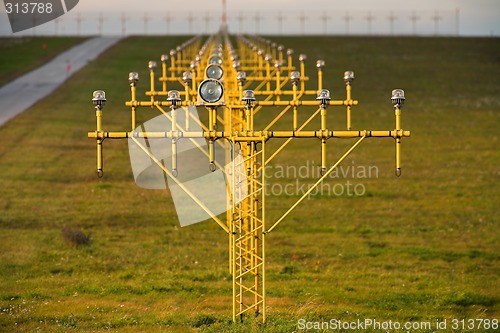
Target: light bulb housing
pixel 215 60
pixel 214 71
pixel 133 77
pixel 348 77
pixel 174 96
pixel 323 97
pixel 211 93
pixel 187 77
pixel 295 77
pixel 398 98
pixel 248 96
pixel 152 65
pixel 99 99
pixel 241 77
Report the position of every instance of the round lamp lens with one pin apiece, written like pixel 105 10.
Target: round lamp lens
pixel 211 91
pixel 214 72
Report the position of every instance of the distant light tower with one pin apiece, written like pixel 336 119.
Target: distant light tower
pixel 56 25
pixel 391 19
pixel 146 18
pixel 280 19
pixel 34 25
pixel 369 18
pixel 207 18
pixel 168 18
pixel 302 18
pixel 224 16
pixel 257 18
pixel 436 18
pixel 123 20
pixel 79 20
pixel 325 19
pixel 414 18
pixel 190 20
pixel 347 18
pixel 241 18
pixel 101 23
pixel 457 21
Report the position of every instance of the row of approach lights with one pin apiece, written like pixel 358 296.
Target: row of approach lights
pixel 211 90
pixel 99 96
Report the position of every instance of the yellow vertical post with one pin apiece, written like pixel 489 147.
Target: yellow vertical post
pixel 397 113
pixel 262 229
pixel 324 99
pixel 133 77
pixel 323 139
pixel 348 78
pixel 302 59
pixel 349 99
pixel 98 115
pixel 172 64
pixel 289 53
pixel 398 99
pixel 295 78
pixel 212 119
pixel 174 140
pixel 320 64
pixel 268 72
pixel 278 80
pixel 164 59
pixel 194 84
pixel 152 66
pixel 295 117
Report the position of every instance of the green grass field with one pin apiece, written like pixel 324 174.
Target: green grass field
pixel 423 247
pixel 21 55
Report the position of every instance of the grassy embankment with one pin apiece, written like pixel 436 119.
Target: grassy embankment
pixel 21 55
pixel 423 247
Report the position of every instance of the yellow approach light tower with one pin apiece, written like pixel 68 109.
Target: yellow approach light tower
pixel 233 86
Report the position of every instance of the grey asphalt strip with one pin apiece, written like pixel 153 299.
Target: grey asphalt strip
pixel 28 89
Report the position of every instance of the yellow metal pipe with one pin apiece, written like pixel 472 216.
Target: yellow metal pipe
pixel 133 100
pixel 152 84
pixel 194 85
pixel 397 113
pixel 253 135
pixel 98 115
pixel 305 103
pixel 320 79
pixel 172 66
pixel 348 98
pixel 278 85
pixel 212 121
pixel 164 75
pixel 174 142
pixel 268 75
pixel 323 140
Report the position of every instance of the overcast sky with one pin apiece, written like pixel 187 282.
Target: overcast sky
pixel 476 17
